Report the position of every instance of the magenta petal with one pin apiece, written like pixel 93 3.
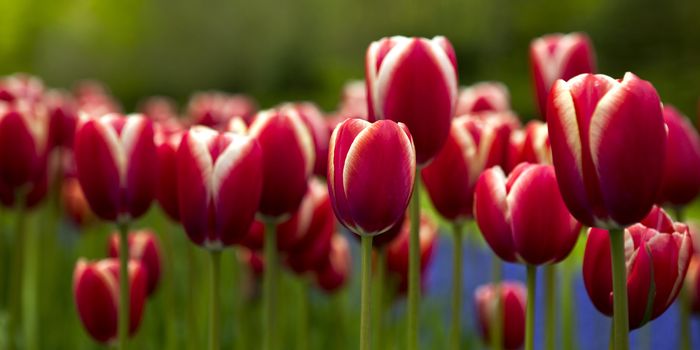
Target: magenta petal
pixel 490 210
pixel 142 168
pixel 193 169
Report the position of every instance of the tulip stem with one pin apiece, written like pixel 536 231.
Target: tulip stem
pixel 531 292
pixel 365 314
pixel 568 298
pixel 379 308
pixel 497 320
pixel 303 336
pixel 214 301
pixel 550 311
pixel 414 267
pixel 455 332
pixel 270 286
pixel 619 274
pixel 123 226
pixel 684 303
pixel 15 294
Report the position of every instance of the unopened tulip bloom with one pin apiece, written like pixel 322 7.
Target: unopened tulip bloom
pixel 558 56
pixel 483 97
pixel 167 143
pixel 95 289
pixel 75 204
pixel 316 123
pixel 529 145
pixel 94 99
pixel 397 253
pixel 116 164
pixel 159 109
pixel 413 81
pixel 513 297
pixel 219 185
pixel 214 109
pixel 24 138
pixel 353 100
pixel 21 87
pixel 63 115
pixel 144 247
pixel 334 271
pixel 657 254
pixel 681 180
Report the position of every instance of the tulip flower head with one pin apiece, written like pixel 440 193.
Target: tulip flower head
pixel 167 143
pixel 608 140
pixel 63 118
pixel 529 145
pixel 413 81
pixel 214 109
pixel 75 205
pixel 219 185
pixel 353 100
pixel 657 254
pixel 558 56
pixel 144 247
pixel 96 293
pixel 681 181
pixel 397 251
pixel 486 96
pixel 24 141
pixel 523 217
pixel 371 172
pixel 334 271
pixel 316 124
pixel 116 164
pixel 513 296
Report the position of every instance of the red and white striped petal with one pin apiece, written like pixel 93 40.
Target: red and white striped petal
pixel 491 213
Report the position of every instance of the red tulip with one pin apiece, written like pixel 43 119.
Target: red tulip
pixel 21 87
pixel 657 253
pixel 371 172
pixel 608 142
pixel 316 123
pixel 523 217
pixel 353 100
pixel 63 116
pixel 397 251
pixel 95 100
pixel 23 145
pixel 75 204
pixel 529 145
pixel 159 108
pixel 167 143
pixel 513 296
pixel 96 292
pixel 483 97
pixel 472 145
pixel 116 164
pixel 413 81
pixel 558 56
pixel 219 185
pixel 144 247
pixel 681 180
pixel 692 283
pixel 288 160
pixel 334 271
pixel 214 109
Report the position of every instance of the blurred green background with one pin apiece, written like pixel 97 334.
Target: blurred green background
pixel 306 49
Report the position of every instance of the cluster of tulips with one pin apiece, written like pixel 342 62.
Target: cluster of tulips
pixel 272 184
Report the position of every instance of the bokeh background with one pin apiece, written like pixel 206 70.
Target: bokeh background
pixel 306 50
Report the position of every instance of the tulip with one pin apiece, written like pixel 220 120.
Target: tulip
pixel 316 124
pixel 681 183
pixel 353 100
pixel 333 272
pixel 397 254
pixel 513 298
pixel 24 132
pixel 214 109
pixel 692 283
pixel 657 254
pixel 75 204
pixel 63 115
pixel 21 87
pixel 529 145
pixel 144 247
pixel 167 144
pixel 94 99
pixel 413 81
pixel 483 97
pixel 95 288
pixel 558 56
pixel 159 109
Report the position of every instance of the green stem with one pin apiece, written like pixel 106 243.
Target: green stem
pixel 193 336
pixel 169 287
pixel 15 294
pixel 455 332
pixel 215 301
pixel 684 303
pixel 550 311
pixel 270 287
pixel 619 274
pixel 497 320
pixel 365 313
pixel 123 225
pixel 414 267
pixel 379 297
pixel 30 289
pixel 303 336
pixel 530 322
pixel 568 296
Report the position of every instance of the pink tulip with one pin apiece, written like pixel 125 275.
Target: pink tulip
pixel 21 87
pixel 353 100
pixel 558 56
pixel 657 254
pixel 371 171
pixel 483 97
pixel 513 296
pixel 608 142
pixel 214 109
pixel 413 81
pixel 334 271
pixel 144 247
pixel 159 109
pixel 523 217
pixel 529 145
pixel 681 181
pixel 95 100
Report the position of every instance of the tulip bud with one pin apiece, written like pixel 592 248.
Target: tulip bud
pixel 523 217
pixel 608 142
pixel 353 100
pixel 75 204
pixel 167 144
pixel 397 252
pixel 529 145
pixel 657 254
pixel 681 183
pixel 96 292
pixel 472 145
pixel 288 160
pixel 219 185
pixel 316 124
pixel 21 87
pixel 214 109
pixel 371 173
pixel 23 144
pixel 116 164
pixel 558 56
pixel 334 270
pixel 513 297
pixel 63 116
pixel 413 81
pixel 144 247
pixel 95 100
pixel 483 97
pixel 159 109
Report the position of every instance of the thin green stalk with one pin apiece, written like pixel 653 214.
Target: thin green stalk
pixel 530 322
pixel 303 336
pixel 550 311
pixel 193 281
pixel 365 313
pixel 123 225
pixel 414 268
pixel 568 296
pixel 270 287
pixel 619 274
pixel 169 287
pixel 455 331
pixel 30 289
pixel 379 297
pixel 15 294
pixel 497 320
pixel 684 300
pixel 215 301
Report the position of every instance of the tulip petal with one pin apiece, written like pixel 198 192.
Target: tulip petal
pixel 490 208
